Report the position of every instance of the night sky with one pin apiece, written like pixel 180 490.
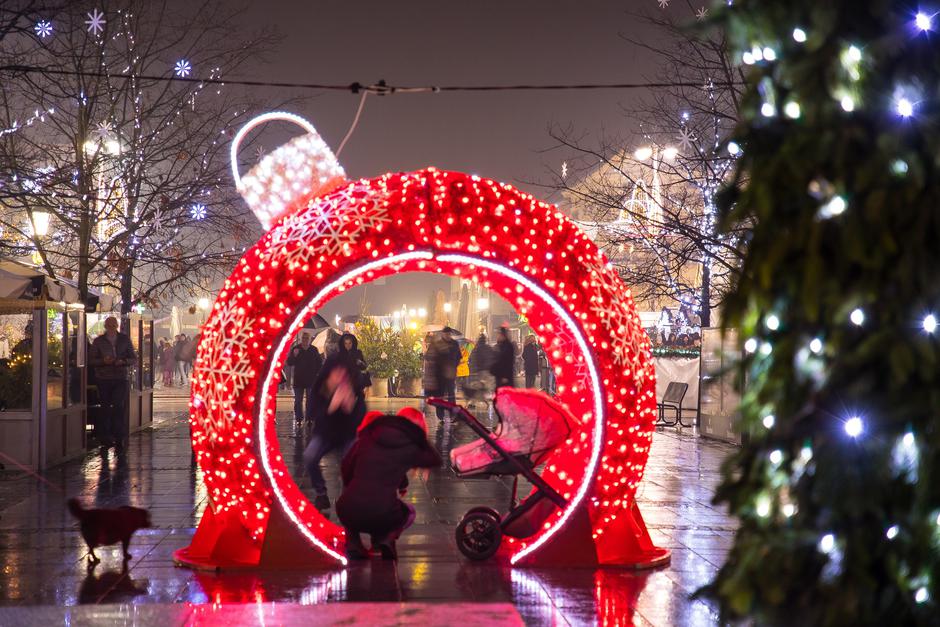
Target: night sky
pixel 417 42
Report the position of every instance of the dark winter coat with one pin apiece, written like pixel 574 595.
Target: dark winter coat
pixel 503 366
pixel 338 426
pixel 354 358
pixel 374 469
pixel 530 358
pixel 441 361
pixel 122 350
pixel 307 363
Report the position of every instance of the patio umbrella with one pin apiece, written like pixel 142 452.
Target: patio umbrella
pixel 453 332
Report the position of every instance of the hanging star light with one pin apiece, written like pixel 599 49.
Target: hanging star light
pixel 182 68
pixel 43 28
pixel 198 211
pixel 95 22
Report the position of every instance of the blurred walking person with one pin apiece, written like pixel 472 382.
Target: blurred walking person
pixel 504 363
pixel 441 360
pixel 339 407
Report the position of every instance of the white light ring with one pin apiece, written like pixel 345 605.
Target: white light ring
pixel 261 119
pixel 599 404
pixel 263 406
pixel 314 303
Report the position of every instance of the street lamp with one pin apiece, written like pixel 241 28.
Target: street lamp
pixel 40 221
pixel 204 303
pixel 483 303
pixel 422 313
pixel 447 307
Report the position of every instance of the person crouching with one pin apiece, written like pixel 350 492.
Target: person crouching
pixel 374 475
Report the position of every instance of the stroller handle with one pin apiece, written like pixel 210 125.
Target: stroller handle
pixel 437 401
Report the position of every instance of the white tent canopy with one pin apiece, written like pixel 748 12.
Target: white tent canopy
pixel 20 280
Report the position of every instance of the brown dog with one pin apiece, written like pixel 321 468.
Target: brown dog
pixel 101 527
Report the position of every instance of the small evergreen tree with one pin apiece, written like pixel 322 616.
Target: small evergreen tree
pixel 836 305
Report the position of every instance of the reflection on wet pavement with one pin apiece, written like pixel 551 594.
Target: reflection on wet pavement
pixel 42 561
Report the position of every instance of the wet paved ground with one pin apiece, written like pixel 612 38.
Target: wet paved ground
pixel 42 555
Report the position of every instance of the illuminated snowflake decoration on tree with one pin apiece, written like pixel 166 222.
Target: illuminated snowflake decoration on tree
pixel 182 68
pixel 43 28
pixel 198 211
pixel 103 130
pixel 701 14
pixel 686 140
pixel 95 22
pixel 663 3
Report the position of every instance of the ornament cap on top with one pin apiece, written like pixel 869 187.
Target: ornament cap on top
pixel 304 165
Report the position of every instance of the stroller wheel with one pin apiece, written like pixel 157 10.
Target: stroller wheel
pixel 478 535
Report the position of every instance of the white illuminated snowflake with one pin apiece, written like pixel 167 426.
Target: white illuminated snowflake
pixel 95 22
pixel 43 28
pixel 182 68
pixel 328 227
pixel 610 303
pixel 686 140
pixel 701 14
pixel 663 3
pixel 103 130
pixel 564 169
pixel 225 368
pixel 259 153
pixel 198 211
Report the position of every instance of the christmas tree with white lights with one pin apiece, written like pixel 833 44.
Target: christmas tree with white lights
pixel 838 177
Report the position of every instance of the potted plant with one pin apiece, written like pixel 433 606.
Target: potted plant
pixel 409 362
pixel 378 346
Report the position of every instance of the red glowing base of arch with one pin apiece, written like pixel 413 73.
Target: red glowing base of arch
pixel 428 221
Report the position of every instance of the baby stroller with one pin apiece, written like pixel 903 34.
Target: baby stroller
pixel 531 425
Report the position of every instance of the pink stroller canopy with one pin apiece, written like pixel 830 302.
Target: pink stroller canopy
pixel 533 424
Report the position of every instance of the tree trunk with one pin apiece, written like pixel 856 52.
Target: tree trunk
pixel 706 301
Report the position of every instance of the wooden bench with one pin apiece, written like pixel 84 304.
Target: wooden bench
pixel 672 400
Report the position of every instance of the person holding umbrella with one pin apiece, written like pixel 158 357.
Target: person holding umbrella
pixel 306 362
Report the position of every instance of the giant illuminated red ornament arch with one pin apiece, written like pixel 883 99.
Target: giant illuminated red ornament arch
pixel 328 235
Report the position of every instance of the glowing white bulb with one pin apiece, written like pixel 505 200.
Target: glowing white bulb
pixel 733 148
pixel 642 154
pixel 847 103
pixel 792 110
pixel 770 54
pixel 854 426
pixel 827 543
pixel 923 21
pixel 930 323
pixel 758 53
pixel 905 107
pixel 789 509
pixel 766 349
pixel 854 54
pixel 892 532
pixel 799 35
pixel 857 317
pixel 816 345
pixel 768 110
pixel 747 58
pixel 836 206
pixel 908 439
pixel 772 322
pixel 762 506
pixel 769 421
pixel 806 454
pixel 750 345
pixel 921 595
pixel 776 457
pixel 670 153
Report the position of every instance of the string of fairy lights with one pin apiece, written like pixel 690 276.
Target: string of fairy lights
pixel 904 102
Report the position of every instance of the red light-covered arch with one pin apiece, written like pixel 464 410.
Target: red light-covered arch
pixel 435 221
